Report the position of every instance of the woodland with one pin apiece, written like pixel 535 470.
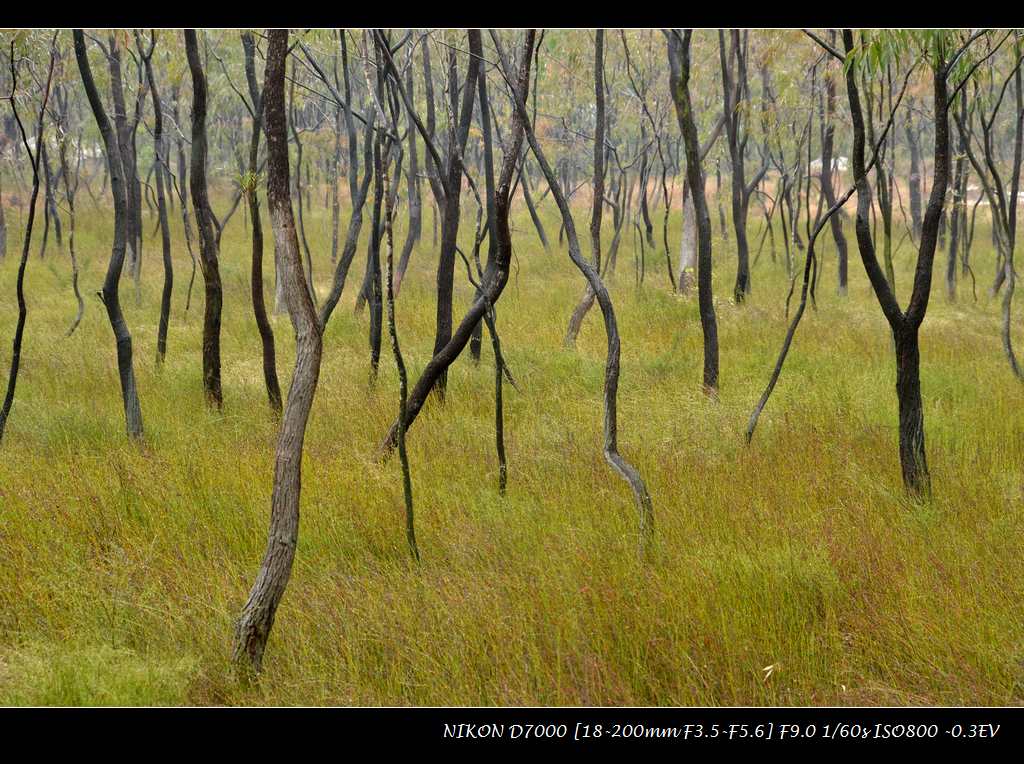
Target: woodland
pixel 601 367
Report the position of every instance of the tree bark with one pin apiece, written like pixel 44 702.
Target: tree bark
pixel 257 616
pixel 679 75
pixel 259 306
pixel 160 168
pixel 110 294
pixel 597 204
pixel 208 255
pixel 12 379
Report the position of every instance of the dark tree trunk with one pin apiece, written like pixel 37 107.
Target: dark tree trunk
pixel 734 89
pixel 259 305
pixel 679 60
pixel 208 256
pixel 528 198
pixel 458 134
pixel 908 392
pixel 12 379
pixel 111 283
pixel 160 169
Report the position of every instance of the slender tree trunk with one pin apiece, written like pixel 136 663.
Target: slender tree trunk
pixel 914 181
pixel 257 616
pixel 12 379
pixel 259 306
pixel 111 283
pixel 679 76
pixel 165 231
pixel 3 222
pixel 457 137
pixel 826 180
pixel 70 189
pixel 208 256
pixel 597 204
pixel 735 92
pixel 415 197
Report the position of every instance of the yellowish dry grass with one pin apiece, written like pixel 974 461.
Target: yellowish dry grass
pixel 122 569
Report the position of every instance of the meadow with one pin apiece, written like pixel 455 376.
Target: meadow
pixel 791 571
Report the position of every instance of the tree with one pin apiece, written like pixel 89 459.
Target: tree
pixel 34 159
pixel 597 205
pixel 827 164
pixel 626 470
pixel 259 305
pixel 736 95
pixel 257 616
pixel 906 324
pixel 679 67
pixel 111 283
pixel 161 171
pixel 208 238
pixel 496 275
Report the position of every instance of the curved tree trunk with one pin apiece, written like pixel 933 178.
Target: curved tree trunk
pixel 626 470
pixel 597 204
pixel 12 379
pixel 257 616
pixel 111 283
pixel 496 276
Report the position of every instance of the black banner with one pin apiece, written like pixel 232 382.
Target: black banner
pixel 235 730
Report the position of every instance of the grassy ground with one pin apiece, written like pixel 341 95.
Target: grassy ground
pixel 123 568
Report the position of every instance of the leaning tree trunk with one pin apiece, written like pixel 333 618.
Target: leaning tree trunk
pixel 111 283
pixel 597 204
pixel 12 379
pixel 257 616
pixel 496 275
pixel 625 469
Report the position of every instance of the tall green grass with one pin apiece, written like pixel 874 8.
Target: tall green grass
pixel 122 568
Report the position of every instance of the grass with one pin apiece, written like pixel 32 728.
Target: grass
pixel 122 568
